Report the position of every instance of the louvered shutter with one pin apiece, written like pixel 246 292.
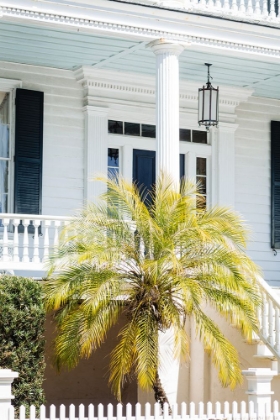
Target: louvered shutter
pixel 182 166
pixel 275 184
pixel 28 151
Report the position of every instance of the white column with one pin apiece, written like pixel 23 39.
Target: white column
pixel 259 388
pixel 167 106
pixel 223 165
pixel 96 144
pixel 6 380
pixel 127 162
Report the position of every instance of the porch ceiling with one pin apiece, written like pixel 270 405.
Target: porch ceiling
pixel 68 50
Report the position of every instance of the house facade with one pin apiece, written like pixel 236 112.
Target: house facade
pixel 89 87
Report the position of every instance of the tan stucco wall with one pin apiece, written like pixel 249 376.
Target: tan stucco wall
pixel 88 382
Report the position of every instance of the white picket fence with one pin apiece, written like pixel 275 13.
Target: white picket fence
pixel 183 411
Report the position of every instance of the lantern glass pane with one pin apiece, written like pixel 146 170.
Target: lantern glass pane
pixel 200 104
pixel 214 105
pixel 207 115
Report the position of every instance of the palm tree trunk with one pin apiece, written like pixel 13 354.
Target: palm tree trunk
pixel 160 394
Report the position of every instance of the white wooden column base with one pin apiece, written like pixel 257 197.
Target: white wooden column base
pixel 259 387
pixel 7 377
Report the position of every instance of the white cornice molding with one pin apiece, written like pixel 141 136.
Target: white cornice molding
pixel 109 85
pixel 116 28
pixel 6 85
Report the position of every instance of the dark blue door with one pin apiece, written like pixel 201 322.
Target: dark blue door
pixel 144 168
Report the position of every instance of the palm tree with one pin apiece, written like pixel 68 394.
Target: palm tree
pixel 157 257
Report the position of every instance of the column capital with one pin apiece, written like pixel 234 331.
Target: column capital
pixel 96 110
pixel 163 46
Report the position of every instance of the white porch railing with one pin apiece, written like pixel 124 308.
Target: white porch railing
pixel 183 411
pixel 269 318
pixel 265 12
pixel 27 240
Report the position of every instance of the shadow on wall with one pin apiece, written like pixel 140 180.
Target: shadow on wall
pixel 88 382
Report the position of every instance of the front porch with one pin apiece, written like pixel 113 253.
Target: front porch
pixel 26 242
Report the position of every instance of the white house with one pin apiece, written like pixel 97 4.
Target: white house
pixel 90 86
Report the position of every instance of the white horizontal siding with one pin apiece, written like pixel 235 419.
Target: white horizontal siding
pixel 63 134
pixel 253 180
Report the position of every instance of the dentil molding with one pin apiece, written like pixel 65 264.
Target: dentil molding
pixel 109 27
pixel 132 87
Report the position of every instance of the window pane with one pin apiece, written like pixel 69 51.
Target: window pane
pixel 4 125
pixel 113 158
pixel 201 202
pixel 131 129
pixel 4 177
pixel 200 166
pixel 185 135
pixel 201 181
pixel 149 131
pixel 199 137
pixel 113 172
pixel 115 127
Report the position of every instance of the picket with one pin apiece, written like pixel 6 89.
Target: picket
pixel 183 411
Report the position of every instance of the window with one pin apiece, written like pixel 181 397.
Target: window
pixel 201 173
pixel 132 129
pixel 194 136
pixel 5 155
pixel 113 162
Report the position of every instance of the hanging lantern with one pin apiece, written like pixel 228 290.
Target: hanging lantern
pixel 208 103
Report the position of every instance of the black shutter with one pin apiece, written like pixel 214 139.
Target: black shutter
pixel 28 151
pixel 182 166
pixel 144 168
pixel 275 184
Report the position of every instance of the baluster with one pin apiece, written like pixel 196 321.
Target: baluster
pixel 272 13
pixel 47 224
pixel 15 245
pixel 36 258
pixel 277 330
pixel 187 4
pixel 211 5
pixel 209 410
pixel 226 5
pixel 25 255
pixel 234 7
pixel 264 8
pixel 57 224
pixel 242 9
pixel 257 11
pixel 264 317
pixel 270 322
pixel 5 254
pixel 249 10
pixel 202 4
pixel 218 5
